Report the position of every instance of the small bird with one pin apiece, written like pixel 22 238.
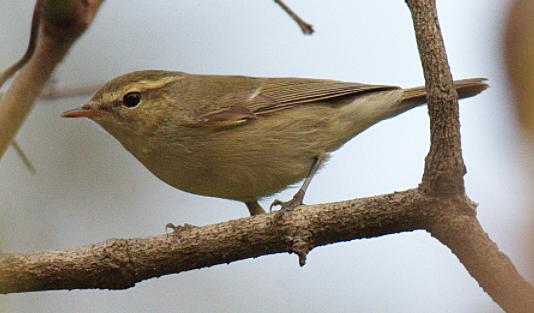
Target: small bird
pixel 239 137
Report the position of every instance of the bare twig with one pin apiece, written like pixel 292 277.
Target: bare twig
pixel 31 45
pixel 61 23
pixel 51 92
pixel 306 28
pixel 23 157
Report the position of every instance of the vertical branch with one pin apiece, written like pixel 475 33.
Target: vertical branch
pixel 458 228
pixel 444 165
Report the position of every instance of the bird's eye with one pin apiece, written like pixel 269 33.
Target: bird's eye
pixel 131 99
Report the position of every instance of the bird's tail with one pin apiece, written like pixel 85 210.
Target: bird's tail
pixel 466 88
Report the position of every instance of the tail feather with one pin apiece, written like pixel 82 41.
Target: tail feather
pixel 465 87
pixel 470 87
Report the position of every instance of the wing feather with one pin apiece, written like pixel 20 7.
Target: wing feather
pixel 275 94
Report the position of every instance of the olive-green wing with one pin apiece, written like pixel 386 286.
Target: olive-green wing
pixel 275 94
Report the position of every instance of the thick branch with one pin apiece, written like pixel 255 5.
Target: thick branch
pixel 444 165
pixel 492 269
pixel 120 263
pixel 444 170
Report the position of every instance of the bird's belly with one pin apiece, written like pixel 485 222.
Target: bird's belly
pixel 242 177
pixel 246 162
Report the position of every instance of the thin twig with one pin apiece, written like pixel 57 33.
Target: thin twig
pixel 23 157
pixel 51 92
pixel 307 28
pixel 5 75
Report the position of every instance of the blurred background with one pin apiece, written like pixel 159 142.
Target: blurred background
pixel 88 188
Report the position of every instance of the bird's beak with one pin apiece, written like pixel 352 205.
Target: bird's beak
pixel 86 110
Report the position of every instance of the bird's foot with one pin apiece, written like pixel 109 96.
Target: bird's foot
pixel 287 205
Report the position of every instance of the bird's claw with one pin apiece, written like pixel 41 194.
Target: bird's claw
pixel 291 204
pixel 287 205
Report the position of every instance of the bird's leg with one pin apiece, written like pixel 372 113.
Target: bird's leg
pixel 254 208
pixel 299 196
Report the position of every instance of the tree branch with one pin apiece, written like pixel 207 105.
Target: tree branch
pixel 120 263
pixel 444 165
pixel 306 28
pixel 438 206
pixel 51 92
pixel 34 31
pixel 61 23
pixel 444 171
pixel 492 269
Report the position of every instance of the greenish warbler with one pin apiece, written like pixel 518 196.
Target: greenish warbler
pixel 238 137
